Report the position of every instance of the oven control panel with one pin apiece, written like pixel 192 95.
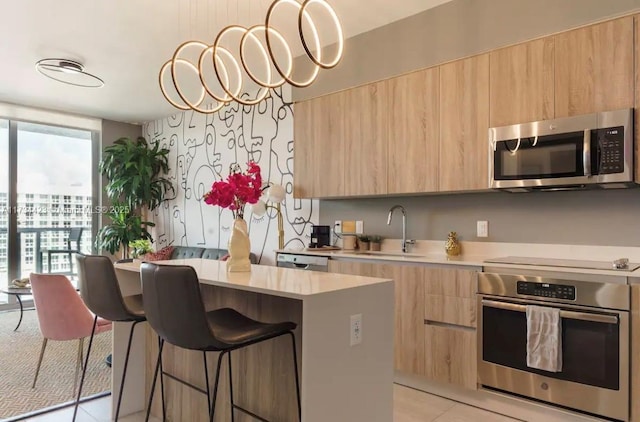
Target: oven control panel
pixel 555 291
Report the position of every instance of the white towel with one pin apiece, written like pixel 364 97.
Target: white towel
pixel 544 338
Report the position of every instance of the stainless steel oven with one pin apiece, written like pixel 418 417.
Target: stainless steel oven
pixel 595 341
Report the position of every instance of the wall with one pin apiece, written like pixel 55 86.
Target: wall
pixel 202 149
pixel 451 31
pixel 579 217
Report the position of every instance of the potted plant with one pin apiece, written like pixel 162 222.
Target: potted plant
pixel 135 183
pixel 363 242
pixel 376 240
pixel 140 247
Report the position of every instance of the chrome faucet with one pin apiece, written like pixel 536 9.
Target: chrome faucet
pixel 405 242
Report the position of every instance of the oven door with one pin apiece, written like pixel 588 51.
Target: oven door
pixel 595 354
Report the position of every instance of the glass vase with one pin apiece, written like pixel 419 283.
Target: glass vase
pixel 239 247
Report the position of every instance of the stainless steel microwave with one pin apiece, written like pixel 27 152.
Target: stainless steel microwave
pixel 592 150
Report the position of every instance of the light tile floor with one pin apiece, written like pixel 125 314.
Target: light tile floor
pixel 409 406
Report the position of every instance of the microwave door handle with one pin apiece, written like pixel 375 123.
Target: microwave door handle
pixel 586 153
pixel 580 316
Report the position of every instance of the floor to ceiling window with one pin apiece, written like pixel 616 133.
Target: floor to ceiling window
pixel 47 192
pixel 46 177
pixel 4 220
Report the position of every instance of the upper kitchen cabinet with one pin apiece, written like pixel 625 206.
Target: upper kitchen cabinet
pixel 521 83
pixel 365 143
pixel 464 124
pixel 594 68
pixel 414 121
pixel 319 164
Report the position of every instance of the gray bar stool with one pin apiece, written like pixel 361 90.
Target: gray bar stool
pixel 174 308
pixel 101 293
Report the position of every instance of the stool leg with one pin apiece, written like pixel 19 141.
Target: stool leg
pixel 124 371
pixel 84 370
pixel 78 364
pixel 153 384
pixel 231 389
pixel 44 346
pixel 206 378
pixel 215 388
pixel 164 407
pixel 295 371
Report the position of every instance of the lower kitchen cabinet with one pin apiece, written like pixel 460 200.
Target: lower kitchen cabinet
pixel 451 355
pixel 435 335
pixel 409 308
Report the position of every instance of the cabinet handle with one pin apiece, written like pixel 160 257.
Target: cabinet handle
pixel 448 325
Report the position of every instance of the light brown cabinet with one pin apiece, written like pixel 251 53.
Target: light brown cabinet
pixel 521 83
pixel 409 308
pixel 413 136
pixel 428 131
pixel 450 321
pixel 594 69
pixel 434 318
pixel 464 125
pixel 451 355
pixel 450 296
pixel 366 142
pixel 319 136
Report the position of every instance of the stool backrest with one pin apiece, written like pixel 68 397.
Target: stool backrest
pixel 174 308
pixel 75 235
pixel 61 313
pixel 99 287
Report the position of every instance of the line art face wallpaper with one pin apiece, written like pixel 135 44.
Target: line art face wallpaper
pixel 203 147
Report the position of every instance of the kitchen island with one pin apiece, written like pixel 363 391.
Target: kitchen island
pixel 338 381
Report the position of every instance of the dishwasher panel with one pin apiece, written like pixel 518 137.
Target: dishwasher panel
pixel 303 262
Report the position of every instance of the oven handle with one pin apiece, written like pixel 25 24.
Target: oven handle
pixel 581 316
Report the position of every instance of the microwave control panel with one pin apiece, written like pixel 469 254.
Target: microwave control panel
pixel 610 147
pixel 555 291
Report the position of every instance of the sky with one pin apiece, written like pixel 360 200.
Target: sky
pixel 48 163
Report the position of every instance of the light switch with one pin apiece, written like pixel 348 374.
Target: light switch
pixel 359 227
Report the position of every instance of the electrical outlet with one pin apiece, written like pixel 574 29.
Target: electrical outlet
pixel 337 226
pixel 483 229
pixel 356 329
pixel 359 227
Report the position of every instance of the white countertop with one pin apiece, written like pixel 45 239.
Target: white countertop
pixel 276 281
pixel 474 254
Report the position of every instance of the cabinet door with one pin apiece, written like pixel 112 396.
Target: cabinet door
pixel 594 68
pixel 319 147
pixel 409 353
pixel 409 333
pixel 637 108
pixel 414 120
pixel 521 83
pixel 450 296
pixel 451 355
pixel 365 143
pixel 464 125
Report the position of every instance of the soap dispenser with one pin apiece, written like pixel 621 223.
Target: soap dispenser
pixel 452 247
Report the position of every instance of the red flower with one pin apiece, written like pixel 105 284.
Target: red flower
pixel 238 189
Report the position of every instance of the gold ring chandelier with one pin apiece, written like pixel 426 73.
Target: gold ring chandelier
pixel 219 61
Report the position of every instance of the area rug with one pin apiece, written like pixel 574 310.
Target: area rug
pixel 19 353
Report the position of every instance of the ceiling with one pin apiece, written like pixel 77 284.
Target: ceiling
pixel 126 42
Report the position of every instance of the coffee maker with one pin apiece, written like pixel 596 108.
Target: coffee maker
pixel 320 236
